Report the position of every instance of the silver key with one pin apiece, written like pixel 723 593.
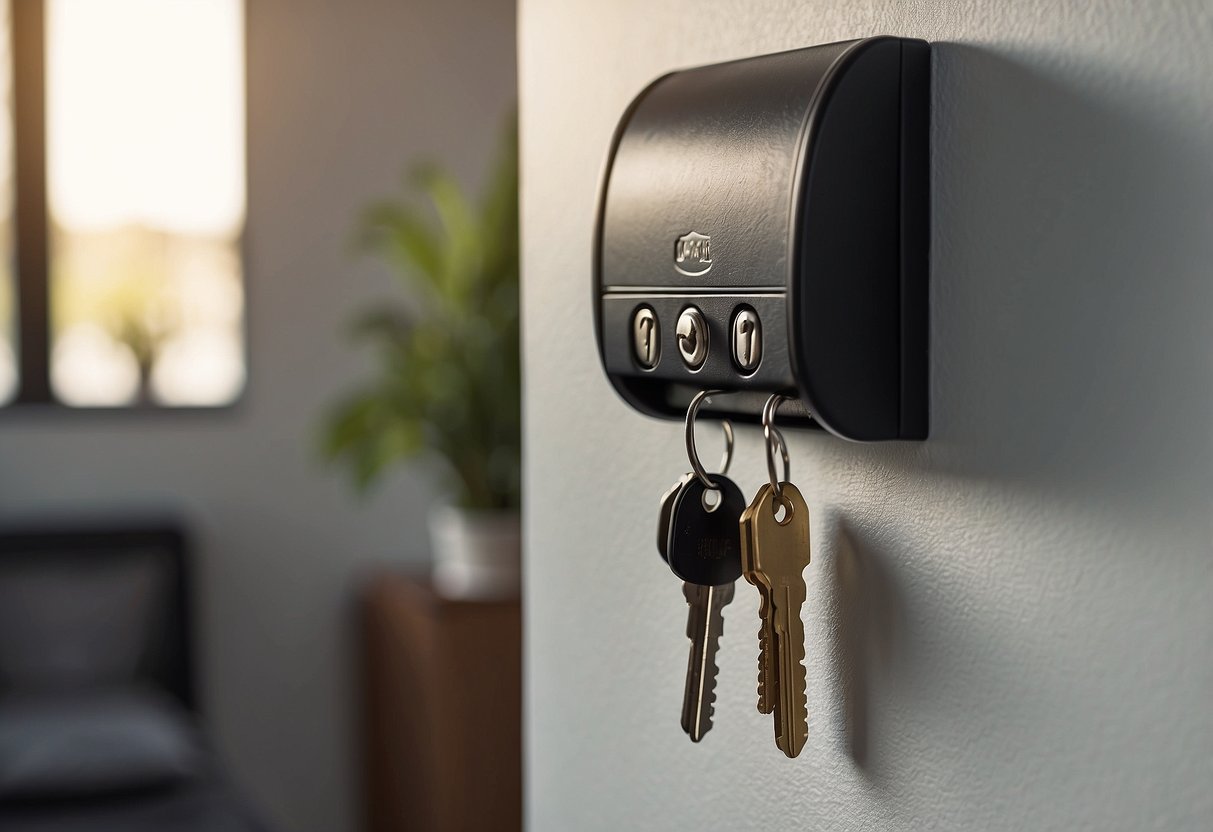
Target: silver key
pixel 705 623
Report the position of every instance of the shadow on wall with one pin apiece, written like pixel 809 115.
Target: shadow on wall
pixel 1071 336
pixel 866 622
pixel 1071 298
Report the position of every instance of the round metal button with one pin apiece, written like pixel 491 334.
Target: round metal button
pixel 692 332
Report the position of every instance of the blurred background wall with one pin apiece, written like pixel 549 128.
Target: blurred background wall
pixel 1008 625
pixel 341 97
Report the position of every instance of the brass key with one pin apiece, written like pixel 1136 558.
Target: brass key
pixel 768 676
pixel 779 552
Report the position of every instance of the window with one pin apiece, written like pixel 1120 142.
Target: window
pixel 129 203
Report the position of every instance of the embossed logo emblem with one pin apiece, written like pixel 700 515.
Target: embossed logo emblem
pixel 693 254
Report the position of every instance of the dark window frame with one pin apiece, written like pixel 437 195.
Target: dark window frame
pixel 30 220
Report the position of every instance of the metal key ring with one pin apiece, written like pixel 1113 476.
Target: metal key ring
pixel 693 455
pixel 773 436
pixel 783 451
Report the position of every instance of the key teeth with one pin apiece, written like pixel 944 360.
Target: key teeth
pixel 711 671
pixel 766 658
pixel 764 704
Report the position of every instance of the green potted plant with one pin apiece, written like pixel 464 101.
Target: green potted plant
pixel 448 382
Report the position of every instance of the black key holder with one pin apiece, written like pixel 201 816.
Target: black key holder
pixel 763 228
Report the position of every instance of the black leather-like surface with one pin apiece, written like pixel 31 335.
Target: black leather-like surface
pixel 804 177
pixel 712 150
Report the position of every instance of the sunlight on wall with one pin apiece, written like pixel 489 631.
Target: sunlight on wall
pixel 146 190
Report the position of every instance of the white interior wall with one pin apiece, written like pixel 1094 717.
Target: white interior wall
pixel 341 97
pixel 1009 624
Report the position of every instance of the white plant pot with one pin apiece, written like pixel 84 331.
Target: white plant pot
pixel 477 554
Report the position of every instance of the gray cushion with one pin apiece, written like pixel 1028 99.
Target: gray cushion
pixel 70 624
pixel 69 746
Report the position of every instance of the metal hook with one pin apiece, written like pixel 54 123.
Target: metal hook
pixel 692 455
pixel 773 437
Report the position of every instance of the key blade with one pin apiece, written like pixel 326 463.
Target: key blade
pixel 698 615
pixel 792 729
pixel 697 603
pixel 705 624
pixel 768 685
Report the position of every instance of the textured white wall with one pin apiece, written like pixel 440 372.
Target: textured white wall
pixel 341 97
pixel 1009 624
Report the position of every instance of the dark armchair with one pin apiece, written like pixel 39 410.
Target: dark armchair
pixel 99 727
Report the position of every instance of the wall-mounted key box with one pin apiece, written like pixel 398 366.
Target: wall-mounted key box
pixel 763 227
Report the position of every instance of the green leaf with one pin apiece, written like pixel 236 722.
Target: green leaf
pixel 462 246
pixel 400 234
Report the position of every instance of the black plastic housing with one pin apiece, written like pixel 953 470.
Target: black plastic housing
pixel 808 172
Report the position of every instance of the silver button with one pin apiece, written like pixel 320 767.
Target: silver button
pixel 646 337
pixel 747 340
pixel 692 332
